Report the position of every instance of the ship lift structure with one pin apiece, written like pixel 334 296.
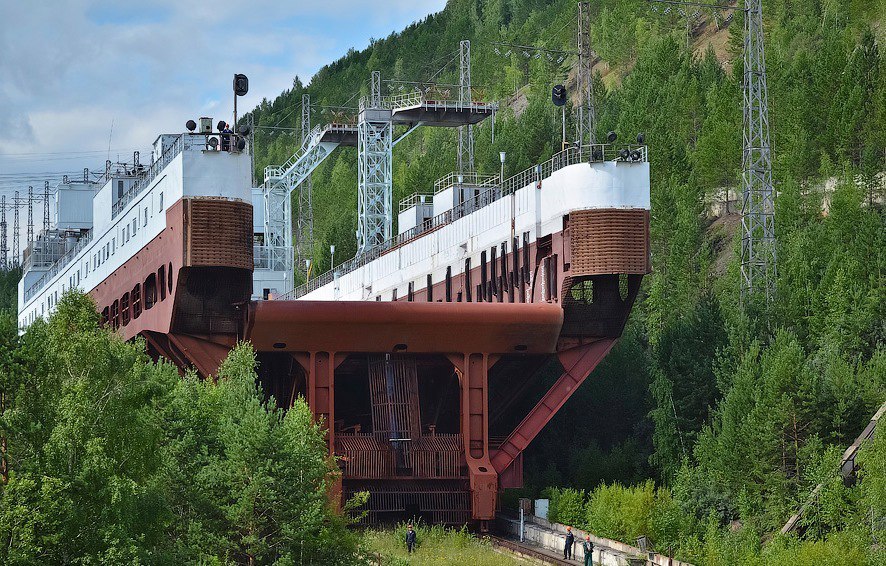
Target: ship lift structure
pixel 373 135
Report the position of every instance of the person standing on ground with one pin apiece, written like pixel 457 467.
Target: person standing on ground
pixel 588 547
pixel 410 539
pixel 570 540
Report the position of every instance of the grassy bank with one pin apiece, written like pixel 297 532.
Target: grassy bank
pixel 436 546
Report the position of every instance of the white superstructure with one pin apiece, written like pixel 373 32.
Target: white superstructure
pixel 127 212
pixel 536 203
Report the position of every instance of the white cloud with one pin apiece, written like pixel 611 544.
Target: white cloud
pixel 68 69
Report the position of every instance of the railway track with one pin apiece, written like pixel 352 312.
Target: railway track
pixel 528 551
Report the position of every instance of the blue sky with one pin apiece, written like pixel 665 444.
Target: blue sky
pixel 80 76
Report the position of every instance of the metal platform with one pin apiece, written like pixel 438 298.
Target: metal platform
pixel 446 114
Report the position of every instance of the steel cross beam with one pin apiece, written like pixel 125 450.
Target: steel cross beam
pixel 577 364
pixel 699 5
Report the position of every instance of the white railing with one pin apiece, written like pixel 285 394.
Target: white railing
pixel 415 199
pixel 472 180
pixel 274 172
pixel 413 98
pixel 57 267
pixel 190 142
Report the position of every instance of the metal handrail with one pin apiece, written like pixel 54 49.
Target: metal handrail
pixel 182 142
pixel 415 199
pixel 474 180
pixel 570 156
pixel 274 172
pixel 57 266
pixel 418 98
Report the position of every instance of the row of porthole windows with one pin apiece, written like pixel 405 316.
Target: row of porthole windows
pixel 142 297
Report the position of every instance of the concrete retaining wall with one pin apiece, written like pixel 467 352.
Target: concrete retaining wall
pixel 607 552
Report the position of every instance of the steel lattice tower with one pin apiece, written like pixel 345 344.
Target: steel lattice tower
pixel 4 251
pixel 30 215
pixel 15 230
pixel 304 223
pixel 45 207
pixel 374 174
pixel 465 157
pixel 758 261
pixel 587 111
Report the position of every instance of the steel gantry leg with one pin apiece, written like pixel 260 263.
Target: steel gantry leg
pixel 473 374
pixel 374 172
pixel 319 368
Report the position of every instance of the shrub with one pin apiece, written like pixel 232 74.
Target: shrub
pixel 567 506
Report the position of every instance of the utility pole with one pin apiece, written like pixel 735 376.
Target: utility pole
pixel 465 157
pixel 758 254
pixel 304 229
pixel 758 259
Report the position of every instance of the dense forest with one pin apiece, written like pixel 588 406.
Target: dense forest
pixel 704 429
pixel 735 413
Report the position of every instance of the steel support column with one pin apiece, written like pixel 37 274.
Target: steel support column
pixel 374 174
pixel 465 157
pixel 319 370
pixel 473 374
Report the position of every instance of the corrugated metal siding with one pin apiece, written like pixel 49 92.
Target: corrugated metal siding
pixel 218 233
pixel 608 241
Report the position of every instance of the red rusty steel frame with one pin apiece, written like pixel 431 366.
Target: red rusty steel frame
pixel 370 326
pixel 577 363
pixel 320 374
pixel 473 373
pixel 206 355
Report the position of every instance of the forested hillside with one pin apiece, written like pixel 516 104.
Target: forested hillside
pixel 734 413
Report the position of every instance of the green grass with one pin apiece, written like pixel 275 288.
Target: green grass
pixel 435 545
